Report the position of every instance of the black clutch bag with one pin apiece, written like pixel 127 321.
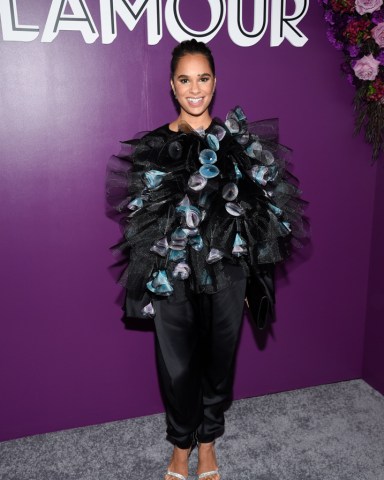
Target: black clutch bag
pixel 260 296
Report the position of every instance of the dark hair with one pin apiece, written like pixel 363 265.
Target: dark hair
pixel 191 47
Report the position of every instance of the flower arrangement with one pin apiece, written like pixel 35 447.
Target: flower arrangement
pixel 356 27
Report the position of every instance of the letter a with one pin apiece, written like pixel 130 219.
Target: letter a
pixel 80 20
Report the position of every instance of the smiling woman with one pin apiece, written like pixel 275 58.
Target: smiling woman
pixel 205 206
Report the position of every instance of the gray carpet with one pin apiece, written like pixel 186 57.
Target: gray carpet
pixel 330 432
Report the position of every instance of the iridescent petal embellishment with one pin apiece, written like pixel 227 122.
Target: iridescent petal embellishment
pixel 192 214
pixel 160 284
pixel 219 132
pixel 148 311
pixel 160 247
pixel 240 115
pixel 135 204
pixel 214 255
pixel 207 157
pixel 243 139
pixel 197 182
pixel 175 150
pixel 185 202
pixel 178 239
pixel 181 271
pixel 254 150
pixel 287 225
pixel 258 173
pixel 232 125
pixel 230 191
pixel 239 246
pixel 238 174
pixel 213 142
pixel 206 279
pixel 153 178
pixel 234 209
pixel 177 255
pixel 196 242
pixel 192 217
pixel 209 171
pixel 275 210
pixel 267 157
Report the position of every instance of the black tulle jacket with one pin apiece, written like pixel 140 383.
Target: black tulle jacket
pixel 198 209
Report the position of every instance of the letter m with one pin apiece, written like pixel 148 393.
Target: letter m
pixel 130 13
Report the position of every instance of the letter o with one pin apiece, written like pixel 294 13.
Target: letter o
pixel 180 31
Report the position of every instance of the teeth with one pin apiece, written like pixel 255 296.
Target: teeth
pixel 194 100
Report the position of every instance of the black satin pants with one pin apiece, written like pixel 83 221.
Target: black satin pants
pixel 196 341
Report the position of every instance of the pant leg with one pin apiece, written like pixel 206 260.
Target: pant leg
pixel 196 341
pixel 223 313
pixel 179 367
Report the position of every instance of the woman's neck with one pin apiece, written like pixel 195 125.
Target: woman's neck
pixel 202 122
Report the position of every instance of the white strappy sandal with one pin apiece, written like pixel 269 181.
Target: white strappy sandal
pixel 208 474
pixel 176 475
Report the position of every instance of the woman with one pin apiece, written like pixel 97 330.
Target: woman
pixel 205 205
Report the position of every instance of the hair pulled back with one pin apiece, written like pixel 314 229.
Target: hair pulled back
pixel 190 47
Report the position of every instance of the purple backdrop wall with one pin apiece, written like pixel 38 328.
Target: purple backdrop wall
pixel 66 360
pixel 373 365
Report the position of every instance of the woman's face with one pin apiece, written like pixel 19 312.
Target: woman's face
pixel 193 84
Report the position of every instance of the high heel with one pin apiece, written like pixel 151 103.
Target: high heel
pixel 179 476
pixel 210 473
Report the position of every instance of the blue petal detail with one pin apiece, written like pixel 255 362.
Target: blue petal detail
pixel 238 174
pixel 153 178
pixel 160 247
pixel 254 150
pixel 179 239
pixel 240 115
pixel 274 209
pixel 135 204
pixel 259 174
pixel 287 225
pixel 160 284
pixel 206 279
pixel 177 255
pixel 213 142
pixel 196 242
pixel 207 157
pixel 209 171
pixel 239 246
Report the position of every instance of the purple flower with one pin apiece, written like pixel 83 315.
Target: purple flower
pixel 378 16
pixel 350 79
pixel 331 37
pixel 367 6
pixel 366 68
pixel 329 17
pixel 380 57
pixel 378 34
pixel 353 50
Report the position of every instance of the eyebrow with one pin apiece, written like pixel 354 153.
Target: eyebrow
pixel 199 75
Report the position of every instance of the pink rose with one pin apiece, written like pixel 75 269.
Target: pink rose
pixel 367 6
pixel 378 34
pixel 366 68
